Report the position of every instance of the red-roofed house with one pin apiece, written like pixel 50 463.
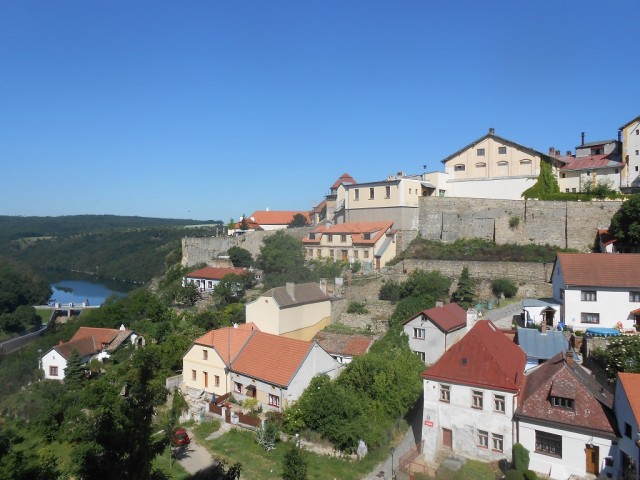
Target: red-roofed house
pixel 334 206
pixel 593 163
pixel 565 420
pixel 627 409
pixel 343 347
pixel 372 244
pixel 207 278
pixel 276 219
pixel 205 366
pixel 90 343
pixel 432 332
pixel 597 290
pixel 470 395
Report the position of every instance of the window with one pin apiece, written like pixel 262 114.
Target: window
pixel 366 254
pixel 421 355
pixel 590 317
pixel 458 168
pixel 627 430
pixel 343 238
pixel 548 443
pixel 481 152
pixel 193 375
pixel 566 190
pixel 319 252
pixel 498 403
pixel 366 236
pixel 418 333
pixel 634 296
pixel 441 192
pixel 477 399
pixel 355 254
pixel 483 439
pixel 410 191
pixel 481 165
pixel 216 380
pixel 527 161
pixel 274 400
pixel 53 371
pixel 637 152
pixel 331 255
pixel 205 354
pixel 237 387
pixel 356 194
pixel 588 296
pixel 371 194
pixel 329 237
pixel 445 393
pixel 497 442
pixel 573 190
pixel 388 192
pixel 503 163
pixel 502 150
pixel 562 402
pixel 564 175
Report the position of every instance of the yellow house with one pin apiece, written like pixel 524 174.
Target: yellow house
pixel 494 167
pixel 206 365
pixel 372 244
pixel 294 311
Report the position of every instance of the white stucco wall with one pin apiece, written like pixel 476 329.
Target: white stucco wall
pixel 269 318
pixel 53 359
pixel 509 188
pixel 435 341
pixel 465 421
pixel 573 461
pixel 612 305
pixel 624 414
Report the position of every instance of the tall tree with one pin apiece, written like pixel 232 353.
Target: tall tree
pixel 240 257
pixel 282 260
pixel 465 293
pixel 294 465
pixel 625 223
pixel 74 373
pixel 298 220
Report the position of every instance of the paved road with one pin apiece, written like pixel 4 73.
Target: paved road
pixel 194 457
pixel 503 317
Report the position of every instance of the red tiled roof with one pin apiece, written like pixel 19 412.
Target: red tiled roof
pixel 227 341
pixel 216 273
pixel 589 163
pixel 85 346
pixel 344 178
pixel 276 217
pixel 318 208
pixel 343 344
pixel 102 336
pixel 484 357
pixel 630 383
pixel 606 238
pixel 251 224
pixel 447 318
pixel 599 269
pixel 355 229
pixel 271 358
pixel 562 377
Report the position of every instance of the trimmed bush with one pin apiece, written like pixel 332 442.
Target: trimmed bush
pixel 520 458
pixel 503 286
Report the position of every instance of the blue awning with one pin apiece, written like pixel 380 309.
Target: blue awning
pixel 602 332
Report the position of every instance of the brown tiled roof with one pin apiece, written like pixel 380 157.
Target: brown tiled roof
pixel 102 336
pixel 630 383
pixel 276 217
pixel 484 357
pixel 564 378
pixel 343 344
pixel 355 229
pixel 215 273
pixel 447 318
pixel 344 178
pixel 600 269
pixel 296 294
pixel 85 346
pixel 227 341
pixel 590 162
pixel 271 358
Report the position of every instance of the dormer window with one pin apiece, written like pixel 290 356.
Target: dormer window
pixel 562 402
pixel 312 236
pixel 366 236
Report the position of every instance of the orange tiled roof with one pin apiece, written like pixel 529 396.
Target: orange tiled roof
pixel 227 341
pixel 271 358
pixel 343 344
pixel 101 335
pixel 631 385
pixel 276 217
pixel 216 273
pixel 253 225
pixel 344 178
pixel 600 269
pixel 355 229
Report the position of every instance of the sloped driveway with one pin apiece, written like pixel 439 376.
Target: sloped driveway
pixel 193 457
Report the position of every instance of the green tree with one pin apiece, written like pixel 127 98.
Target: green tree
pixel 240 257
pixel 625 223
pixel 390 290
pixel 74 373
pixel 408 307
pixel 298 220
pixel 267 436
pixel 244 225
pixel 282 260
pixel 546 184
pixel 465 293
pixel 420 283
pixel 503 286
pixel 231 289
pixel 294 465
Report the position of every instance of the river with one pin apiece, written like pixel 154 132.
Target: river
pixel 79 291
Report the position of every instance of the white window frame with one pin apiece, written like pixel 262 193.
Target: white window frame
pixel 419 333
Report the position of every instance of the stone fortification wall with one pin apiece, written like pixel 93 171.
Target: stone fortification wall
pixel 206 249
pixel 563 224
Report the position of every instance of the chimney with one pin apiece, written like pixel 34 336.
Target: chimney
pixel 291 290
pixel 557 153
pixel 492 131
pixel 568 153
pixel 439 303
pixel 323 285
pixel 472 318
pixel 582 138
pixel 552 151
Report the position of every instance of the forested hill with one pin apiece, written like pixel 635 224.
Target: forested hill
pixel 133 249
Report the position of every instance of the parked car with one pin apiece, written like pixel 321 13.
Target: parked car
pixel 180 438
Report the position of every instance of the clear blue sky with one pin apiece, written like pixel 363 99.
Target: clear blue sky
pixel 211 109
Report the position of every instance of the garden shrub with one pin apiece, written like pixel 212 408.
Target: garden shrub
pixel 357 307
pixel 390 291
pixel 513 475
pixel 520 458
pixel 503 286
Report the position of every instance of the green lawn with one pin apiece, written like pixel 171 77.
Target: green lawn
pixel 44 314
pixel 240 446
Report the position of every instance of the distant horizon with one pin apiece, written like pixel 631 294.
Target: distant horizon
pixel 205 110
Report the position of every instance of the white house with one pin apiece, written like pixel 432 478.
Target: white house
pixel 470 395
pixel 343 347
pixel 432 332
pixel 597 289
pixel 207 278
pixel 538 311
pixel 627 409
pixel 566 422
pixel 630 136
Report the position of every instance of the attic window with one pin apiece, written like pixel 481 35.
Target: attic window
pixel 366 236
pixel 312 236
pixel 562 402
pixel 463 361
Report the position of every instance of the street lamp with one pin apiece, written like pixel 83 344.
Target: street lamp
pixel 393 472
